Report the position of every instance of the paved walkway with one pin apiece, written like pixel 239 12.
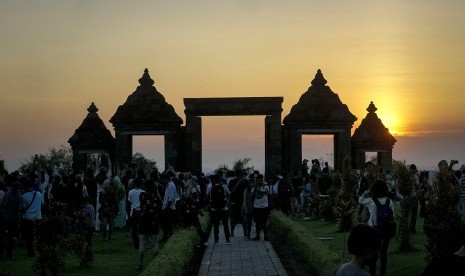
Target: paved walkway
pixel 242 257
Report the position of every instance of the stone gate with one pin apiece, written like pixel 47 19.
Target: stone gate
pixel 268 106
pixel 318 111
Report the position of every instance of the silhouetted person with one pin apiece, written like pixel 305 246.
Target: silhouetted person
pixel 31 204
pixel 324 182
pixel 9 218
pixel 364 243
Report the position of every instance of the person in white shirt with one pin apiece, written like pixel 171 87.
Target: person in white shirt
pixel 378 192
pixel 31 204
pixel 261 210
pixel 134 201
pixel 169 204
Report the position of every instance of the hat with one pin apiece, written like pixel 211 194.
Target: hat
pixel 305 160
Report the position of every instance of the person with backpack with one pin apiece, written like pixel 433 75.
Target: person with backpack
pixel 218 195
pixel 150 212
pixel 381 211
pixel 237 185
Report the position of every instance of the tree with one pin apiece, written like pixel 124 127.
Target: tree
pixel 405 184
pixel 222 169
pixel 143 163
pixel 345 204
pixel 442 223
pixel 241 165
pixel 60 159
pixel 3 170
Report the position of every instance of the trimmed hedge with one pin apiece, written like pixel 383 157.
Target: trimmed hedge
pixel 310 254
pixel 178 253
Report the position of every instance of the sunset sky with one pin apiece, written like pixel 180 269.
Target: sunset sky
pixel 408 57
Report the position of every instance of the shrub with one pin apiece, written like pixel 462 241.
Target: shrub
pixel 176 257
pixel 405 183
pixel 312 254
pixel 442 223
pixel 51 241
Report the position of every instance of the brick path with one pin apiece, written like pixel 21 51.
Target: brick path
pixel 242 257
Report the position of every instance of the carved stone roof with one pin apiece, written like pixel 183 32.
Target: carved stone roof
pixel 319 105
pixel 372 131
pixel 146 108
pixel 92 134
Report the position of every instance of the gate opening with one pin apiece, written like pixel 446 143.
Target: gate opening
pixel 227 139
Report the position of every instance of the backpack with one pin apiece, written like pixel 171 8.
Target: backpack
pixel 385 219
pixel 218 197
pixel 150 204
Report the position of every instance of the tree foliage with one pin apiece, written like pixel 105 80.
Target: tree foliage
pixel 405 183
pixel 144 163
pixel 60 159
pixel 2 167
pixel 442 223
pixel 241 164
pixel 345 204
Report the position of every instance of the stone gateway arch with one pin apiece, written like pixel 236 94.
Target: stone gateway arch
pixel 269 106
pixel 318 111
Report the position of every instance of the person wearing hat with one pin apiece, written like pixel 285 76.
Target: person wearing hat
pixel 462 194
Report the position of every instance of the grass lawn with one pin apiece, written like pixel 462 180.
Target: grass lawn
pixel 121 260
pixel 410 262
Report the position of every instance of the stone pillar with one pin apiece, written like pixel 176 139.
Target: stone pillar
pixel 385 159
pixel 295 150
pixel 171 150
pixel 193 144
pixel 342 147
pixel 79 161
pixel 123 148
pixel 358 161
pixel 273 143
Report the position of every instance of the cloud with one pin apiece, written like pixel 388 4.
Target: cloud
pixel 422 133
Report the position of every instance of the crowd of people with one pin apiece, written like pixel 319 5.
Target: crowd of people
pixel 146 202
